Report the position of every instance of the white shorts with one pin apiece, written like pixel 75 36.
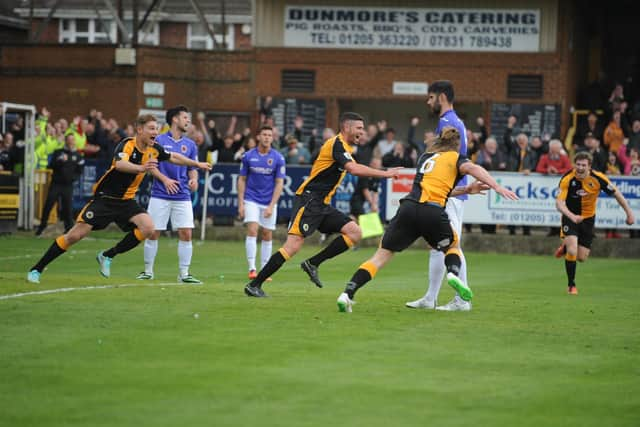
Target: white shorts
pixel 254 212
pixel 455 209
pixel 180 212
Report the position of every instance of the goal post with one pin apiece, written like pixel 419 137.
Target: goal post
pixel 26 210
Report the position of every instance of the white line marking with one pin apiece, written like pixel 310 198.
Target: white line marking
pixel 87 288
pixel 40 253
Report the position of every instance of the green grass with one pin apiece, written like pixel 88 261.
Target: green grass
pixel 527 355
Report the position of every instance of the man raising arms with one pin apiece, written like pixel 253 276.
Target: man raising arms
pixel 312 209
pixel 113 198
pixel 576 201
pixel 262 172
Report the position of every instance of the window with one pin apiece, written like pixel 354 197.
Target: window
pixel 198 37
pixel 96 31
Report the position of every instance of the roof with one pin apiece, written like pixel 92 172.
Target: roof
pixel 170 10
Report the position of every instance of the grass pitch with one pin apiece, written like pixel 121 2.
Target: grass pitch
pixel 527 355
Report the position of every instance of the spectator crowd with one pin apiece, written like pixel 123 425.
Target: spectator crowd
pixel 610 133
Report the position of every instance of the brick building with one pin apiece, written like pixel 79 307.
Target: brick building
pixel 279 61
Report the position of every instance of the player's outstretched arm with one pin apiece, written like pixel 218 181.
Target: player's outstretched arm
pixel 128 167
pixel 361 170
pixel 179 159
pixel 481 174
pixel 624 205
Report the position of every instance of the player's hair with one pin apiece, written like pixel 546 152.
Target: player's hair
pixel 349 116
pixel 583 155
pixel 144 119
pixel 442 86
pixel 448 140
pixel 172 112
pixel 264 127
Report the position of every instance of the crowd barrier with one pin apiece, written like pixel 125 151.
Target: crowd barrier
pixel 536 206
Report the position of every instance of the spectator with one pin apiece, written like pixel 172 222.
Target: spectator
pixel 226 153
pixel 418 145
pixel 522 159
pixel 398 157
pixel 482 134
pixel 249 144
pixel 6 160
pixel 295 153
pixel 630 162
pixel 556 162
pixel 592 145
pixel 634 135
pixel 364 153
pixel 592 125
pixel 386 145
pixel 538 148
pixel 203 148
pixel 613 165
pixel 78 129
pixel 473 145
pixel 613 134
pixel 492 159
pixel 327 133
pixel 508 142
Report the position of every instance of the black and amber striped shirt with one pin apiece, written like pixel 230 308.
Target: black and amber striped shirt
pixel 436 176
pixel 581 195
pixel 328 170
pixel 115 184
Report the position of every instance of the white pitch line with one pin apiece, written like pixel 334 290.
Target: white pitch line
pixel 36 254
pixel 87 288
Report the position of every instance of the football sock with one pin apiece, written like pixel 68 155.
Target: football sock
pixel 570 267
pixel 128 242
pixel 452 261
pixel 265 252
pixel 185 251
pixel 365 273
pixel 273 265
pixel 150 252
pixel 57 248
pixel 251 246
pixel 339 245
pixel 436 274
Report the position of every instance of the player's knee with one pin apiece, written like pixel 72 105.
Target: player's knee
pixel 184 234
pixel 266 235
pixel 353 232
pixel 147 230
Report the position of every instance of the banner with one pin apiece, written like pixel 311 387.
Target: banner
pixel 401 28
pixel 536 206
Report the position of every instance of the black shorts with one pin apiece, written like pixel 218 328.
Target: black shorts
pixel 356 205
pixel 100 212
pixel 310 213
pixel 414 220
pixel 584 230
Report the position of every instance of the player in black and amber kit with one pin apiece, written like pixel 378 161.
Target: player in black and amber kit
pixel 113 198
pixel 312 209
pixel 422 214
pixel 576 201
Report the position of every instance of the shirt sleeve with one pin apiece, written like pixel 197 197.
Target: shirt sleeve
pixel 462 159
pixel 564 188
pixel 244 165
pixel 163 155
pixel 605 184
pixel 340 155
pixel 281 169
pixel 123 151
pixel 193 155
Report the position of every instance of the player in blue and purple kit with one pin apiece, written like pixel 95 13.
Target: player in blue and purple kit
pixel 440 101
pixel 171 196
pixel 260 183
